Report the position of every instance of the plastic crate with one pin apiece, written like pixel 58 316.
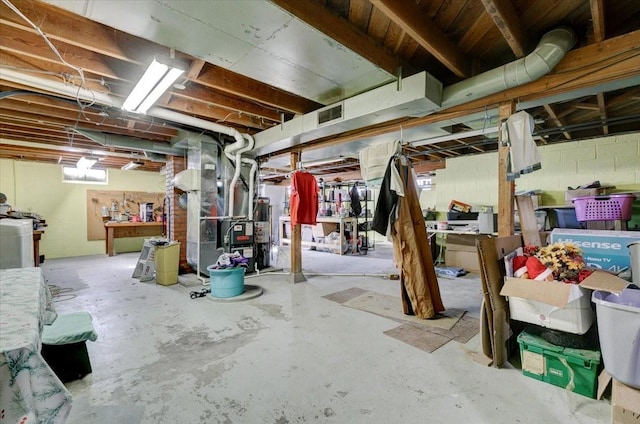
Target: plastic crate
pixel 572 369
pixel 604 208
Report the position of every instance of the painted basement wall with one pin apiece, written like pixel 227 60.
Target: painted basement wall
pixel 36 187
pixel 474 179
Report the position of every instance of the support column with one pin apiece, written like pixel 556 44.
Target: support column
pixel 505 188
pixel 176 217
pixel 296 237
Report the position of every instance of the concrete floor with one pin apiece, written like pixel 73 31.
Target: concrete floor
pixel 288 356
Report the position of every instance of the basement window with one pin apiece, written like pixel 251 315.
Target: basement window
pixel 425 183
pixel 84 176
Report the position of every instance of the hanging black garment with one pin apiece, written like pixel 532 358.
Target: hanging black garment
pixel 356 207
pixel 386 205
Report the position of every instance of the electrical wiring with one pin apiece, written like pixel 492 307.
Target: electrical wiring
pixel 54 49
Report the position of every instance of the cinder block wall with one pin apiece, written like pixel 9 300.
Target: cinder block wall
pixel 474 179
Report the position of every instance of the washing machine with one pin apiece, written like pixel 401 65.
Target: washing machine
pixel 16 243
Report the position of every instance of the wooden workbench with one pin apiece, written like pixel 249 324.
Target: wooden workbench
pixel 37 236
pixel 114 230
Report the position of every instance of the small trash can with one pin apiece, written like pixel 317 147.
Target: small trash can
pixel 167 259
pixel 226 282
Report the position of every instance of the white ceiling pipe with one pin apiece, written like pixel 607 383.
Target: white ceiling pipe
pixel 170 115
pixel 73 91
pixel 70 149
pixel 252 172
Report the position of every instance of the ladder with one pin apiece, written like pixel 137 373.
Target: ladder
pixel 145 267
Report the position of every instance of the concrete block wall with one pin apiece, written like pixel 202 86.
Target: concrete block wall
pixel 474 179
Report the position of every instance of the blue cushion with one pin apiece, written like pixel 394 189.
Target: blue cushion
pixel 69 328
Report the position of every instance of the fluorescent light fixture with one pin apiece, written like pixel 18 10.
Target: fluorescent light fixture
pixel 320 162
pixel 131 165
pixel 156 80
pixel 86 162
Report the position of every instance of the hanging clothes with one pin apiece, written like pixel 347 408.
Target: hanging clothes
pixel 523 152
pixel 402 214
pixel 354 196
pixel 304 198
pixel 373 160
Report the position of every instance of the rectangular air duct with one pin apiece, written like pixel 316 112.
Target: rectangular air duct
pixel 418 95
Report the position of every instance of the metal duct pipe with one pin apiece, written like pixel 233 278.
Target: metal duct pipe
pixel 549 52
pixel 114 140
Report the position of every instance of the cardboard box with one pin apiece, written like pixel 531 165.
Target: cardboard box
pixel 461 251
pixel 606 250
pixel 625 404
pixel 584 192
pixel 323 229
pixel 556 305
pixel 550 304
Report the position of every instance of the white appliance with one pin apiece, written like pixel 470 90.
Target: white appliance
pixel 146 212
pixel 16 243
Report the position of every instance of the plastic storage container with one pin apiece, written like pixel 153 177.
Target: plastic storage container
pixel 16 243
pixel 604 208
pixel 564 218
pixel 227 282
pixel 167 259
pixel 619 332
pixel 634 252
pixel 572 369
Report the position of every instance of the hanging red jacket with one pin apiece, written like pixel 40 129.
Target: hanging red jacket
pixel 304 198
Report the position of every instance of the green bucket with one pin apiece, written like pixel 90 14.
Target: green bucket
pixel 227 282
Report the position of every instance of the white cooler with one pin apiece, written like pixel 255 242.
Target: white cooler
pixel 16 243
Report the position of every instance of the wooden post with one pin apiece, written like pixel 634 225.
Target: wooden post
pixel 505 188
pixel 296 237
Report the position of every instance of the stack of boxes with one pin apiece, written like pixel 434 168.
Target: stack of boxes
pixel 568 309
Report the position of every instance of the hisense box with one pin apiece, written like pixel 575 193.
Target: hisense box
pixel 602 249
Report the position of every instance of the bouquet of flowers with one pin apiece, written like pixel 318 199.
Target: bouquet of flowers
pixel 565 261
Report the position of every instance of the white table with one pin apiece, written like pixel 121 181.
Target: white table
pixel 30 392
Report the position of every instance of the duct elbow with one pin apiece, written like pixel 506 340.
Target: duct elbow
pixel 550 50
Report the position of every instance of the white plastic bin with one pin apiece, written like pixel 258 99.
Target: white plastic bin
pixel 16 243
pixel 619 332
pixel 634 252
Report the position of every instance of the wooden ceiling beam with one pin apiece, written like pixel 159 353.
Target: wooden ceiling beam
pixel 70 111
pixel 77 34
pixel 408 16
pixel 603 112
pixel 213 76
pixel 214 113
pixel 41 114
pixel 72 29
pixel 197 93
pixel 597 19
pixel 23 43
pixel 507 21
pixel 424 167
pixel 340 30
pixel 557 120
